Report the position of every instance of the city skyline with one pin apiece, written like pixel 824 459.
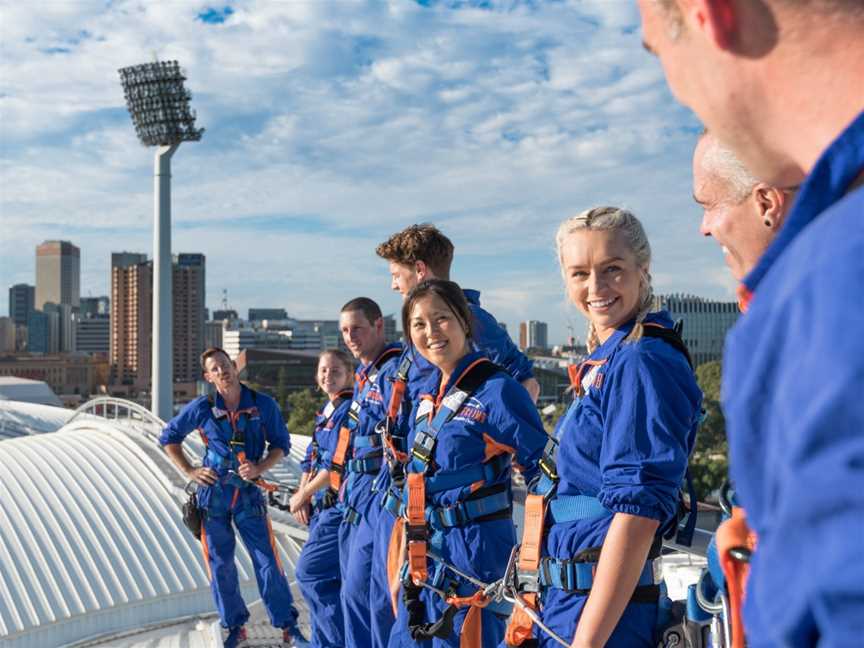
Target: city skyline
pixel 493 122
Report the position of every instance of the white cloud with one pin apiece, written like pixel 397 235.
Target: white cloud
pixel 332 124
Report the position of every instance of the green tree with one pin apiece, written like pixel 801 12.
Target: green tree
pixel 281 389
pixel 709 464
pixel 302 406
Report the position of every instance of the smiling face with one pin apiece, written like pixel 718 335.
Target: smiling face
pixel 221 372
pixel 737 225
pixel 602 278
pixel 333 376
pixel 363 338
pixel 437 333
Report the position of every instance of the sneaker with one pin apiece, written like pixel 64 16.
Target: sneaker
pixel 293 638
pixel 236 638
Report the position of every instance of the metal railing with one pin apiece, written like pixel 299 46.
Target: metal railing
pixel 119 409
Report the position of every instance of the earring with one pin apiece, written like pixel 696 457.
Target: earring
pixel 768 222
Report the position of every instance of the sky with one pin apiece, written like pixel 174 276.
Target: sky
pixel 331 124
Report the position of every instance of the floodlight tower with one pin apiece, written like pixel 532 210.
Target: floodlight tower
pixel 159 105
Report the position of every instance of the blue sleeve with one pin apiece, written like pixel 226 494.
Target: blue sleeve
pixel 650 408
pixel 277 431
pixel 190 418
pixel 496 344
pixel 515 423
pixel 306 464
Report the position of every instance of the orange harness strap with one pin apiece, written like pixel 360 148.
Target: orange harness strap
pixel 734 534
pixel 520 626
pixel 338 462
pixel 416 528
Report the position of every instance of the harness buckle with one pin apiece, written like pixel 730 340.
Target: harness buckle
pixel 423 446
pixel 527 580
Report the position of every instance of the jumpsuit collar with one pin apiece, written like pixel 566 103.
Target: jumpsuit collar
pixel 831 177
pixel 245 399
pixel 471 296
pixel 460 368
pixel 614 340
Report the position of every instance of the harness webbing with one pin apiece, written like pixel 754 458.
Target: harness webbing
pixel 346 432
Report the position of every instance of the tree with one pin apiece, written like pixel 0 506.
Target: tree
pixel 302 407
pixel 709 464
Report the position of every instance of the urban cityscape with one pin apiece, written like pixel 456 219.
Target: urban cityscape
pixel 81 347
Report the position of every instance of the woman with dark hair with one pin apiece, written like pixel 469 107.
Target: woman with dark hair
pixel 472 422
pixel 314 504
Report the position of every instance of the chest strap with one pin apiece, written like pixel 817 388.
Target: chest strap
pixel 346 432
pixel 425 439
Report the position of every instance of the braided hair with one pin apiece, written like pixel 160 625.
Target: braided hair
pixel 623 221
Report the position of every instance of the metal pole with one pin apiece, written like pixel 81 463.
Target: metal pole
pixel 162 387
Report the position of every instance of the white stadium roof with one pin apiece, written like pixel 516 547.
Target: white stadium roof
pixel 24 389
pixel 92 545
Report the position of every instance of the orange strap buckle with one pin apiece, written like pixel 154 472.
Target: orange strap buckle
pixel 338 463
pixel 520 626
pixel 416 529
pixel 735 542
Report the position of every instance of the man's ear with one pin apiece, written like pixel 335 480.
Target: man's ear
pixel 422 270
pixel 717 19
pixel 770 201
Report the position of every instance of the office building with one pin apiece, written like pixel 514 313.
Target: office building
pixel 225 314
pixel 95 307
pixel 131 323
pixel 21 301
pixel 94 335
pixel 188 297
pixel 706 323
pixel 132 318
pixel 7 335
pixel 43 332
pixel 213 334
pixel 67 325
pixel 58 274
pixel 533 335
pixel 261 314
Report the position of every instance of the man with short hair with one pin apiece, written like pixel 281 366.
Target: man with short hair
pixel 360 454
pixel 417 253
pixel 739 212
pixel 245 436
pixel 421 252
pixel 781 82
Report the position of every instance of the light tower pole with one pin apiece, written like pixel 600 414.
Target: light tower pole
pixel 159 105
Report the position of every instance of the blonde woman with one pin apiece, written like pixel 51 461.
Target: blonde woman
pixel 622 448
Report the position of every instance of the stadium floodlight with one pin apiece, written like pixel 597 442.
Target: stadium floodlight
pixel 159 104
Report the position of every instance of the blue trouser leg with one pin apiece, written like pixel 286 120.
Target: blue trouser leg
pixel 561 612
pixel 218 543
pixel 380 600
pixel 319 580
pixel 254 528
pixel 356 568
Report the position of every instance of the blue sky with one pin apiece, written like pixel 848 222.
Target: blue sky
pixel 330 125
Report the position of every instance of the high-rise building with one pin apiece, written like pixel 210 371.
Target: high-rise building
pixel 94 335
pixel 7 335
pixel 188 333
pixel 706 323
pixel 95 307
pixel 132 318
pixel 67 325
pixel 21 302
pixel 219 315
pixel 130 344
pixel 58 274
pixel 43 332
pixel 261 314
pixel 533 335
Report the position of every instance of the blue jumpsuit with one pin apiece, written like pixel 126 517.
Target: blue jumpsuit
pixel 318 565
pixel 497 422
pixel 496 344
pixel 359 503
pixel 626 441
pixel 233 500
pixel 793 396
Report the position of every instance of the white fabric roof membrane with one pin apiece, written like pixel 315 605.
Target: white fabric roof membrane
pixel 92 541
pixel 20 419
pixel 30 391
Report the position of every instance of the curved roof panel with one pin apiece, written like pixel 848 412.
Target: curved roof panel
pixel 92 541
